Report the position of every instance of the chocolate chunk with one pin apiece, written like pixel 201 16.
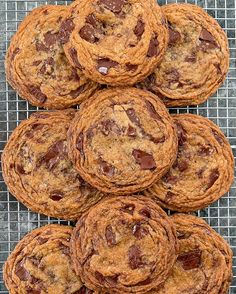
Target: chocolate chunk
pixel 190 260
pixel 200 172
pixel 40 115
pixel 66 28
pixel 192 58
pixel 84 290
pixel 56 195
pixel 74 75
pixel 133 117
pixel 145 160
pixel 182 165
pixel 47 65
pixel 42 241
pixel 139 29
pixel 37 93
pixel 173 75
pixel 20 169
pixel 75 93
pixel 52 157
pixel 218 137
pixel 128 208
pixel 80 143
pixel 152 111
pixel 207 41
pixel 153 49
pixel 169 196
pixel 14 53
pixel 113 5
pixel 74 57
pixel 214 175
pixel 205 151
pixel 21 272
pixel 218 68
pixel 92 20
pixel 131 67
pixel 106 168
pixel 111 280
pixel 50 39
pixel 88 33
pixel 170 179
pixel 131 132
pixel 174 36
pixel 104 65
pixel 65 249
pixel 135 258
pixel 146 282
pixel 108 126
pixel 139 231
pixel 157 140
pixel 37 62
pixel 32 291
pixel 145 212
pixel 99 277
pixel 182 137
pixel 41 47
pixel 110 236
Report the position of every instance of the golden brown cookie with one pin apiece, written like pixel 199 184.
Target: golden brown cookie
pixel 124 244
pixel 38 172
pixel 41 264
pixel 196 61
pixel 116 42
pixel 36 66
pixel 122 140
pixel 203 171
pixel 204 264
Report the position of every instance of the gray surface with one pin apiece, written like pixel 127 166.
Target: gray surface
pixel 16 220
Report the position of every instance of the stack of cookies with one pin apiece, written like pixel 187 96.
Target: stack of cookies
pixel 113 164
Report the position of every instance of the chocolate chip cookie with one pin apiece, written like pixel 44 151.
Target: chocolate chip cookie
pixel 122 140
pixel 38 172
pixel 116 42
pixel 41 264
pixel 204 264
pixel 196 61
pixel 124 244
pixel 203 171
pixel 36 65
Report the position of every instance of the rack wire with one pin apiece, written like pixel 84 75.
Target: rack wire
pixel 16 220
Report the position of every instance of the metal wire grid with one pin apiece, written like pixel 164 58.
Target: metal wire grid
pixel 16 220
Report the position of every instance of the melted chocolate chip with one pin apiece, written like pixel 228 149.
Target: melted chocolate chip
pixel 110 236
pixel 139 231
pixel 133 116
pixel 190 260
pixel 200 173
pixel 56 195
pixel 21 272
pixel 135 258
pixel 75 93
pixel 218 137
pixel 182 137
pixel 41 47
pixel 107 169
pixel 153 49
pixel 173 75
pixel 131 67
pixel 113 5
pixel 108 126
pixel 205 151
pixel 207 41
pixel 139 29
pixel 174 36
pixel 37 93
pixel 214 175
pixel 131 132
pixel 74 57
pixel 145 160
pixel 152 111
pixel 47 65
pixel 88 33
pixel 104 65
pixel 80 143
pixel 74 75
pixel 128 208
pixel 14 53
pixel 20 169
pixel 66 28
pixel 99 277
pixel 145 212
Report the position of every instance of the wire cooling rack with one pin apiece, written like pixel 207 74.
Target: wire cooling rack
pixel 16 220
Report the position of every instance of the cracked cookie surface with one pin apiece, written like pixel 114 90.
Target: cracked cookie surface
pixel 38 172
pixel 204 264
pixel 122 140
pixel 36 65
pixel 197 58
pixel 203 171
pixel 124 244
pixel 116 42
pixel 41 264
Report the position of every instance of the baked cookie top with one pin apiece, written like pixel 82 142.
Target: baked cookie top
pixel 116 42
pixel 197 58
pixel 38 172
pixel 124 244
pixel 41 264
pixel 122 140
pixel 204 264
pixel 203 171
pixel 36 65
